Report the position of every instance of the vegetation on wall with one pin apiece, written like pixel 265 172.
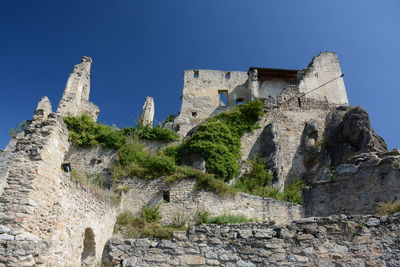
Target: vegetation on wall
pixel 258 182
pixel 135 161
pixel 218 139
pixel 85 132
pixel 96 184
pixel 204 217
pixel 388 208
pixel 145 225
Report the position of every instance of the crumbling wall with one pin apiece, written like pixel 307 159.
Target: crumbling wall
pixel 326 241
pixel 43 213
pixel 184 200
pixel 75 99
pixel 93 160
pixel 322 69
pixel 200 96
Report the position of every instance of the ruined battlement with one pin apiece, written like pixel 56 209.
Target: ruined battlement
pixel 208 92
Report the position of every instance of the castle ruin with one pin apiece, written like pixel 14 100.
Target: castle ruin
pixel 308 132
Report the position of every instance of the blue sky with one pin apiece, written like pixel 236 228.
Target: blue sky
pixel 141 48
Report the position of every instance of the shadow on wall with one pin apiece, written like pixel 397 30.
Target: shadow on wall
pixel 88 256
pixel 267 147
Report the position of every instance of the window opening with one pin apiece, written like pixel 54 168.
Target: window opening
pixel 223 97
pixel 166 196
pixel 228 75
pixel 299 101
pixel 194 114
pixel 240 101
pixel 66 167
pixel 196 74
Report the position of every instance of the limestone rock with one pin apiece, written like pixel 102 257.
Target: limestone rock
pixel 147 116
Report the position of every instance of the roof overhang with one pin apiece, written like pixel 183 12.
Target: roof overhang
pixel 276 73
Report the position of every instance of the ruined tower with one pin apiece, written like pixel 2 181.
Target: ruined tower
pixel 147 116
pixel 75 99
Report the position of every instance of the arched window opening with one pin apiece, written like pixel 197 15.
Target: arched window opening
pixel 240 101
pixel 88 256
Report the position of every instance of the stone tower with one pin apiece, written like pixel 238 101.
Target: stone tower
pixel 75 100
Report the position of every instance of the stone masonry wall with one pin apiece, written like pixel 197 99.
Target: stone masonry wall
pixel 200 96
pixel 325 241
pixel 279 136
pixel 43 214
pixel 187 201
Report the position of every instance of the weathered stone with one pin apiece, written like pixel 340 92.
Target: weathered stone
pixel 75 100
pixel 371 222
pixel 129 262
pixel 6 237
pixel 147 115
pixel 43 109
pixel 192 260
pixel 4 229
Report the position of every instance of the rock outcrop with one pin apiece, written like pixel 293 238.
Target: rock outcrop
pixel 348 167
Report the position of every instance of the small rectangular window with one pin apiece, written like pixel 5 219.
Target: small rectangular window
pixel 66 167
pixel 196 74
pixel 223 97
pixel 166 197
pixel 227 75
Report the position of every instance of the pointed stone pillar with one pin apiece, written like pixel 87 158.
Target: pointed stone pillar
pixel 147 116
pixel 43 109
pixel 75 100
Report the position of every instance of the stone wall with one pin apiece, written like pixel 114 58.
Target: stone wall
pixel 44 215
pixel 357 187
pixel 280 133
pixel 92 160
pixel 327 241
pixel 200 96
pixel 185 200
pixel 322 69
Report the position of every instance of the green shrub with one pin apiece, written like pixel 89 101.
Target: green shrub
pixel 292 193
pixel 135 160
pixel 85 132
pixel 151 214
pixel 203 217
pixel 258 182
pixel 173 151
pixel 218 139
pixel 157 133
pixel 125 218
pixel 147 225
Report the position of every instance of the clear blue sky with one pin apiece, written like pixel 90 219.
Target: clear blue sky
pixel 140 48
